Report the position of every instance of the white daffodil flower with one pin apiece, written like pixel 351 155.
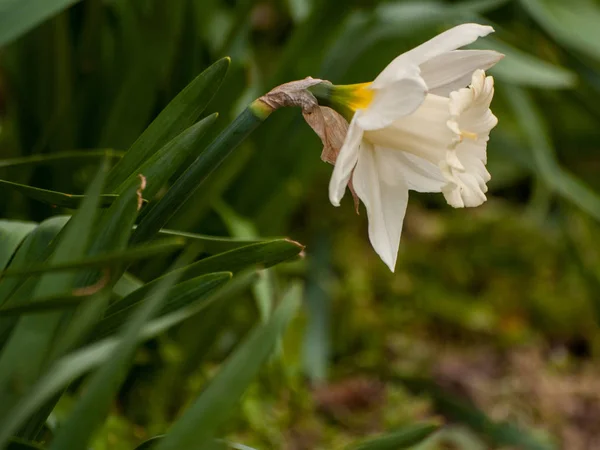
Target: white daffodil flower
pixel 418 127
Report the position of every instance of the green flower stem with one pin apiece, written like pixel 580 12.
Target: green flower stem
pixel 325 93
pixel 201 168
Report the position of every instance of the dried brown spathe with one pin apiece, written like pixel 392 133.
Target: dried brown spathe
pixel 330 126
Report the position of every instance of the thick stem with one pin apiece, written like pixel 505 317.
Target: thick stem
pixel 200 169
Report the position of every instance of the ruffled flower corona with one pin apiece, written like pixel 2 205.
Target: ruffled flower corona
pixel 417 127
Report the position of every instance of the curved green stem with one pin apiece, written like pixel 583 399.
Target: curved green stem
pixel 201 168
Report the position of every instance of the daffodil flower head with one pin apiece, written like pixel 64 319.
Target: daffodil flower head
pixel 423 125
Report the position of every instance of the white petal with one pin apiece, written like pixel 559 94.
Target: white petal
pixel 471 116
pixel 418 174
pixel 424 133
pixel 449 40
pixel 470 108
pixel 345 162
pixel 453 70
pixel 385 199
pixel 398 99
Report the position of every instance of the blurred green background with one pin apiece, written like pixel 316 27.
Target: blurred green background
pixel 490 323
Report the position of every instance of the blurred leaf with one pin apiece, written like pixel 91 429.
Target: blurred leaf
pixel 194 290
pixel 165 162
pixel 33 248
pixel 217 444
pixel 573 24
pixel 263 290
pixel 88 156
pixel 17 16
pixel 55 198
pixel 149 43
pixel 74 365
pixel 91 409
pixel 126 285
pixel 47 304
pixel 525 69
pixel 111 233
pixel 317 337
pixel 149 444
pixel 18 444
pixel 33 334
pixel 564 183
pixel 393 20
pixel 181 113
pixel 403 438
pixel 265 254
pixel 199 423
pixel 206 329
pixel 12 233
pixel 107 259
pixel 498 433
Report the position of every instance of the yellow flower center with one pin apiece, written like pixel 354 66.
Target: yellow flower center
pixel 361 96
pixel 353 96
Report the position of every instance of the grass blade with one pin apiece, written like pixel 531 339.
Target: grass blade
pixel 214 244
pixel 12 233
pixel 76 364
pixel 499 433
pixel 17 17
pixel 161 166
pixel 33 334
pixel 194 290
pixel 183 110
pixel 106 259
pixel 264 254
pixel 573 24
pixel 95 402
pixel 200 169
pixel 403 438
pixel 55 198
pixel 33 248
pixel 196 428
pixel 562 182
pixel 61 158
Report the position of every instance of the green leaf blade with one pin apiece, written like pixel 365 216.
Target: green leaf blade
pixel 198 425
pixel 55 198
pixel 403 438
pixel 183 110
pixel 17 17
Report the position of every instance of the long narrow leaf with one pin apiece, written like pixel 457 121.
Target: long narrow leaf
pixel 194 290
pixel 551 172
pixel 573 24
pixel 53 197
pixel 76 364
pixel 196 428
pixel 95 402
pixel 12 233
pixel 107 259
pixel 160 167
pixel 261 254
pixel 34 333
pixel 177 116
pixel 33 248
pixel 61 158
pixel 499 433
pixel 200 169
pixel 17 17
pixel 403 438
pixel 214 244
